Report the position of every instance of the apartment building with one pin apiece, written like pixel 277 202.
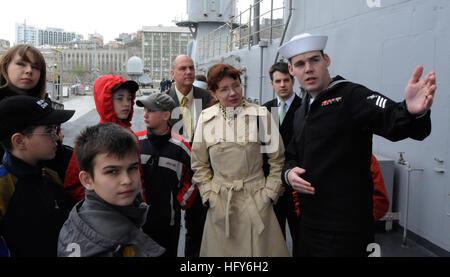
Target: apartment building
pixel 160 46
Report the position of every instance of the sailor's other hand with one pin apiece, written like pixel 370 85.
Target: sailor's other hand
pixel 299 184
pixel 419 94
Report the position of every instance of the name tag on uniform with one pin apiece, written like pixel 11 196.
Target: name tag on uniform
pixel 331 101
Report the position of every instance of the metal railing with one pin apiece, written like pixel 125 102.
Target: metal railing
pixel 263 20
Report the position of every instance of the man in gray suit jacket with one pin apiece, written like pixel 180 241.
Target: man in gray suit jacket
pixel 195 100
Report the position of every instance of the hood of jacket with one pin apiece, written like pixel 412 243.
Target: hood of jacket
pixel 118 221
pixel 104 102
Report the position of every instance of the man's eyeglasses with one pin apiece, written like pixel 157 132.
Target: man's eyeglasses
pixel 53 133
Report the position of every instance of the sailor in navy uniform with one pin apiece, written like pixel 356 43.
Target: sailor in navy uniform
pixel 328 157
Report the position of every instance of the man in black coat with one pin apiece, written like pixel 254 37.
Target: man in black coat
pixel 283 108
pixel 162 85
pixel 195 100
pixel 328 157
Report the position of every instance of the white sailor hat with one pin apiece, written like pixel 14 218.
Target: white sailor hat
pixel 301 44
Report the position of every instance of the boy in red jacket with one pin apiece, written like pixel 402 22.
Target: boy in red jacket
pixel 380 195
pixel 114 98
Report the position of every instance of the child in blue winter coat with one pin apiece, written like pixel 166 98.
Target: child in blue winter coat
pixel 33 203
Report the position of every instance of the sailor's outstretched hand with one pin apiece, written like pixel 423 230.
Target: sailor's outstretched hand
pixel 419 94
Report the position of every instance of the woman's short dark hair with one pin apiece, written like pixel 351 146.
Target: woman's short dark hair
pixel 22 50
pixel 219 71
pixel 105 138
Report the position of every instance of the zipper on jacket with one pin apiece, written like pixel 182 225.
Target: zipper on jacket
pixel 172 211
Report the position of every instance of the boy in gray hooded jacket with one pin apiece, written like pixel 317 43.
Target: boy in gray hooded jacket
pixel 107 223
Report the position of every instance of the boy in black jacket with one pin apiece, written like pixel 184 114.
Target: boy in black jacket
pixel 33 203
pixel 166 162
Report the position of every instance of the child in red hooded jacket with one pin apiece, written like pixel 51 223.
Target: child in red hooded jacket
pixel 114 98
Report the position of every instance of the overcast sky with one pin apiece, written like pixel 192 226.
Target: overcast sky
pixel 108 18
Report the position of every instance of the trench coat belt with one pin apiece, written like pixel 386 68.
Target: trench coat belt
pixel 255 218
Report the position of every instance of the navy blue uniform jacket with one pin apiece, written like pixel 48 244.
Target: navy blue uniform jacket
pixel 332 141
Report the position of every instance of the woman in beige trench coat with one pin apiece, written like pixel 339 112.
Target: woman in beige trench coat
pixel 227 164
